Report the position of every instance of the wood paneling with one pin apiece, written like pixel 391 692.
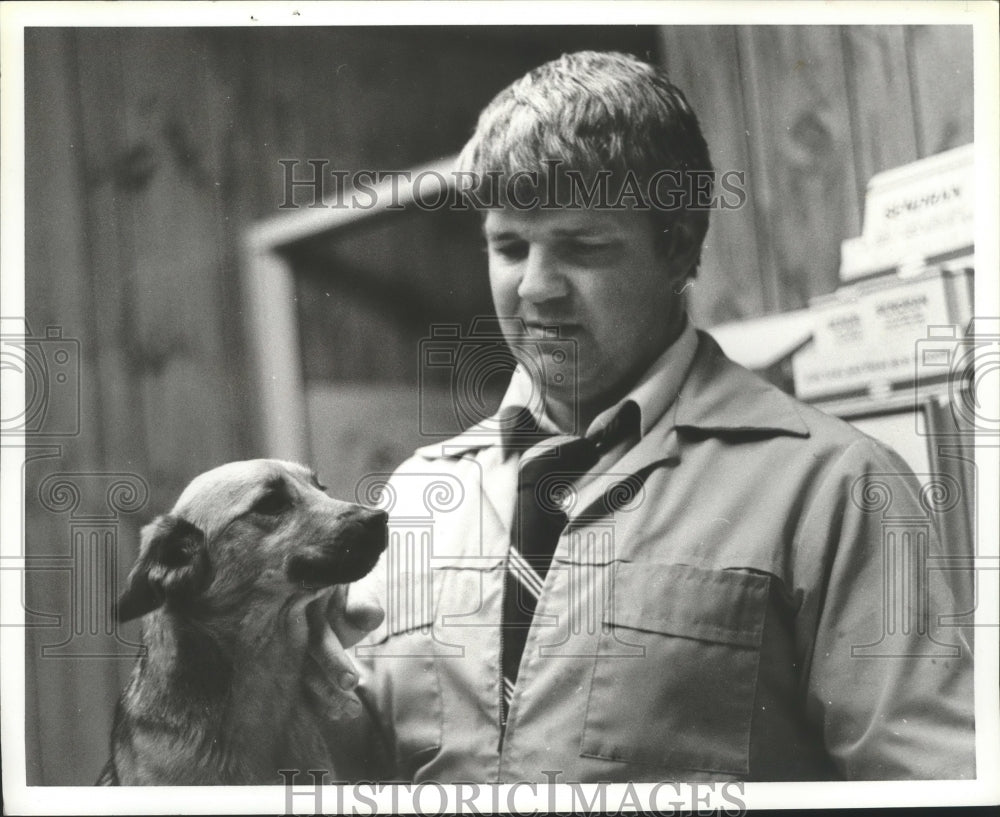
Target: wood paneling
pixel 813 112
pixel 804 182
pixel 730 265
pixel 880 97
pixel 53 192
pixel 940 60
pixel 127 248
pixel 179 364
pixel 63 242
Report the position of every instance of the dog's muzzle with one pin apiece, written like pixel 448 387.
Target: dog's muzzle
pixel 352 550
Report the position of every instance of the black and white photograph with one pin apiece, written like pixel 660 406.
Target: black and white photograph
pixel 476 407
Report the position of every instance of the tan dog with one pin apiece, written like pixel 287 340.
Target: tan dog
pixel 219 697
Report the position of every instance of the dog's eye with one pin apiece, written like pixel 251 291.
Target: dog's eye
pixel 274 502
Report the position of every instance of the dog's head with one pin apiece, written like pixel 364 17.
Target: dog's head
pixel 262 528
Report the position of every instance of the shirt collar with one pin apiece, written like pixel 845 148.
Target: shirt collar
pixel 707 390
pixel 653 394
pixel 658 387
pixel 720 396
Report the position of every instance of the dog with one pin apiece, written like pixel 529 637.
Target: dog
pixel 218 697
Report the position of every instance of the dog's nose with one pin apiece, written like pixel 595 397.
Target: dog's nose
pixel 375 528
pixel 374 520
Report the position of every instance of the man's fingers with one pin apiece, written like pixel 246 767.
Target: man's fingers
pixel 331 701
pixel 363 612
pixel 353 613
pixel 329 653
pixel 337 622
pixel 297 620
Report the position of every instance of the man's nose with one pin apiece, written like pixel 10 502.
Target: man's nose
pixel 541 279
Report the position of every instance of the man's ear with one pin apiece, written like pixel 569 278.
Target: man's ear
pixel 172 562
pixel 682 244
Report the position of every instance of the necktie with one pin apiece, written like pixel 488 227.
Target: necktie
pixel 545 491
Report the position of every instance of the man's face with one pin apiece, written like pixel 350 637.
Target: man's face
pixel 600 277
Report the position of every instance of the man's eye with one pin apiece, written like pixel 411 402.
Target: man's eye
pixel 272 503
pixel 511 251
pixel 585 248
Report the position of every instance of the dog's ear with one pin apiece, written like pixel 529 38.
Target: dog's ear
pixel 172 562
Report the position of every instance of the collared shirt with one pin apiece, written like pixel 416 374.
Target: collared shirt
pixel 735 621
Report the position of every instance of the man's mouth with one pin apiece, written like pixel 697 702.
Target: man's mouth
pixel 551 329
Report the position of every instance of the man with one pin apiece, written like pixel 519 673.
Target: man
pixel 702 601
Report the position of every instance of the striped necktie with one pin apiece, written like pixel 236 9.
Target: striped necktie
pixel 545 491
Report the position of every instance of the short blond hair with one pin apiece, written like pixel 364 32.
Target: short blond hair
pixel 596 112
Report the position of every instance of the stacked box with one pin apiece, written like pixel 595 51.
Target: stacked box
pixel 865 335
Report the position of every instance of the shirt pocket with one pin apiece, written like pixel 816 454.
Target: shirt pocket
pixel 681 695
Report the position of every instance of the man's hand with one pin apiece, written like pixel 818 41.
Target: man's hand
pixel 337 623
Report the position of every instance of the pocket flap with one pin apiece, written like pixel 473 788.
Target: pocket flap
pixel 402 615
pixel 467 561
pixel 725 606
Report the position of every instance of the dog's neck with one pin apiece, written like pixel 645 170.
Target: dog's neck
pixel 214 661
pixel 212 683
pixel 187 658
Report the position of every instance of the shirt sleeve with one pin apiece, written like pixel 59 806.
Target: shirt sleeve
pixel 888 680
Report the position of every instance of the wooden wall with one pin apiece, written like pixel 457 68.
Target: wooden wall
pixel 150 151
pixel 810 113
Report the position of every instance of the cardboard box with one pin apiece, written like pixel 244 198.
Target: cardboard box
pixel 916 214
pixel 865 336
